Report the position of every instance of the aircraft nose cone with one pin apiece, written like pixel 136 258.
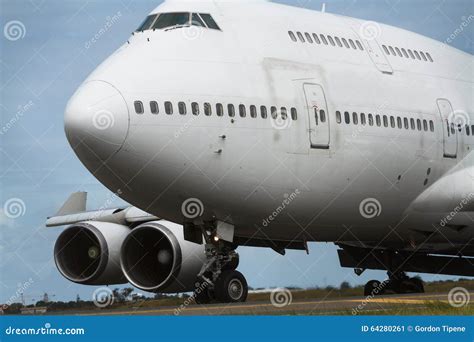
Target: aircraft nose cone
pixel 96 120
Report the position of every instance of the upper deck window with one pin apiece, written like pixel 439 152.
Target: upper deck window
pixel 177 20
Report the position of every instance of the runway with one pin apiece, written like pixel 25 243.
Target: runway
pixel 349 305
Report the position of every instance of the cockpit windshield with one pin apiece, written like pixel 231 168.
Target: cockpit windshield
pixel 165 21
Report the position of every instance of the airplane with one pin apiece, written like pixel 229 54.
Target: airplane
pixel 251 123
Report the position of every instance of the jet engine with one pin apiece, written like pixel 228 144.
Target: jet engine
pixel 155 257
pixel 88 253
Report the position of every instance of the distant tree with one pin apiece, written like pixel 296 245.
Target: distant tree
pixel 118 295
pixel 345 285
pixel 126 293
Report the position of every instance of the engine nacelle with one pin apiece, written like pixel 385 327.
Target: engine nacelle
pixel 88 253
pixel 156 258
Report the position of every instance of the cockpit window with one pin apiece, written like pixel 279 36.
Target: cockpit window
pixel 177 20
pixel 146 25
pixel 209 21
pixel 197 21
pixel 167 20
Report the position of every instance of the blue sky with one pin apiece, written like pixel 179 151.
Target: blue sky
pixel 43 67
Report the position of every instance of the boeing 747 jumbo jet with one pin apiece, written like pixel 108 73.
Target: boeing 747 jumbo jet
pixel 249 123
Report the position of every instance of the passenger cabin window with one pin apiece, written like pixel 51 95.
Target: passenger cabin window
pixel 292 36
pixel 242 111
pixel 168 108
pixel 323 38
pixel 195 108
pixel 347 118
pixel 316 38
pixel 139 107
pixel 220 109
pixel 274 112
pixel 154 107
pixel 182 108
pixel 231 110
pixel 371 120
pixel 263 112
pixel 294 114
pixel 207 109
pixel 253 111
pixel 284 113
pixel 355 118
pixel 338 117
pixel 308 38
pixel 300 36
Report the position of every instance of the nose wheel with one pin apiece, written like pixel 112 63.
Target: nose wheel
pixel 218 275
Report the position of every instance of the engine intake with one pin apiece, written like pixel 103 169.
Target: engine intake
pixel 156 258
pixel 89 253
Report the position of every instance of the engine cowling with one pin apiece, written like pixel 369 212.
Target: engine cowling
pixel 156 258
pixel 88 253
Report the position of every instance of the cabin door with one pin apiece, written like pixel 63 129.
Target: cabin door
pixel 450 131
pixel 319 129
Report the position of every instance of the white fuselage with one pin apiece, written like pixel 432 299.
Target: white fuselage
pixel 243 168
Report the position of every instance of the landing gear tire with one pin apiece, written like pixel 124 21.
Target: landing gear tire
pixel 411 285
pixel 231 287
pixel 373 288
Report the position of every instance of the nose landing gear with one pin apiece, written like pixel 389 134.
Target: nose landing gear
pixel 218 279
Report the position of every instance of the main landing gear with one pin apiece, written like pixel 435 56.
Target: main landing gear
pixel 398 282
pixel 218 279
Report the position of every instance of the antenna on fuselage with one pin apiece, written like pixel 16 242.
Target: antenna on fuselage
pixel 323 9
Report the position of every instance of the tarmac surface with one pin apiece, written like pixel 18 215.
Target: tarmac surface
pixel 330 306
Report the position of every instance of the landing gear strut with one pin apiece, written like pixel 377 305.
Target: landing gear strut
pixel 218 279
